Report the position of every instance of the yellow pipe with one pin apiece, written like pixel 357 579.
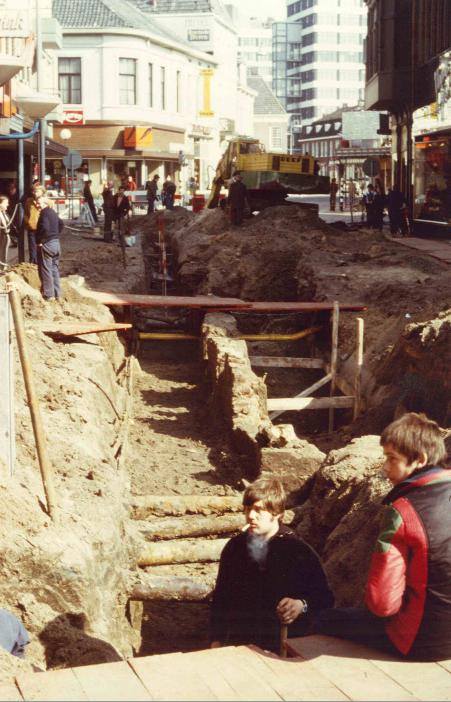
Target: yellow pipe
pixel 169 336
pixel 280 337
pixel 174 336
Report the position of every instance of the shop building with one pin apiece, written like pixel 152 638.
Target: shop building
pixel 29 99
pixel 412 72
pixel 134 95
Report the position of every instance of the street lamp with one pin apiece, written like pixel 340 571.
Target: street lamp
pixel 65 135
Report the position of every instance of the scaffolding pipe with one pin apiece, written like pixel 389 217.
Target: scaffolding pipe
pixel 174 336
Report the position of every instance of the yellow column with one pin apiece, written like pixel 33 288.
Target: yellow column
pixel 207 74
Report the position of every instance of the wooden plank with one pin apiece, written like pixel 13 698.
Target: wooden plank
pixel 199 302
pixel 293 679
pixel 285 362
pixel 349 666
pixel 51 686
pixel 246 684
pixel 171 677
pixel 81 329
pixel 358 366
pixel 111 681
pixel 333 360
pixel 305 306
pixel 9 692
pixel 215 677
pixel 310 403
pixel 307 392
pixel 425 681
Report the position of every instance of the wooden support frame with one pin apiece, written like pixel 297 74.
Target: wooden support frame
pixel 285 362
pixel 304 399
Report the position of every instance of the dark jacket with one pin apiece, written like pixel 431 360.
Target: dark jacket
pixel 410 574
pixel 108 199
pixel 246 594
pixel 395 200
pixel 152 189
pixel 237 194
pixel 122 208
pixel 87 194
pixel 49 226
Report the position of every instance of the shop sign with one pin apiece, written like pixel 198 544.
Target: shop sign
pixel 200 130
pixel 13 21
pixel 137 138
pixel 73 117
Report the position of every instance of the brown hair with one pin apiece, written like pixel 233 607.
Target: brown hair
pixel 414 434
pixel 271 493
pixel 3 198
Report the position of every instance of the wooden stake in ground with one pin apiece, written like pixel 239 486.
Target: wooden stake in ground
pixel 358 367
pixel 283 640
pixel 33 402
pixel 333 359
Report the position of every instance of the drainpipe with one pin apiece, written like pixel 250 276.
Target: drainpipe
pixel 43 121
pixel 19 137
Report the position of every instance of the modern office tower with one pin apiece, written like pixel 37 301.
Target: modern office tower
pixel 324 67
pixel 254 42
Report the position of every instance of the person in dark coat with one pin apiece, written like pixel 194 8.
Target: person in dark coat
pixel 152 193
pixel 267 577
pixel 237 199
pixel 379 204
pixel 108 209
pixel 168 193
pixel 395 205
pixel 87 194
pixel 48 231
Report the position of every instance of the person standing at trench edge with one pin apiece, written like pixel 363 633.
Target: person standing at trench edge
pixel 49 228
pixel 237 200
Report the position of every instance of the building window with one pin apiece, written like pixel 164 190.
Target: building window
pixel 309 39
pixel 163 87
pixel 276 138
pixel 308 113
pixel 198 35
pixel 309 20
pixel 127 81
pixel 69 80
pixel 177 92
pixel 150 84
pixel 308 94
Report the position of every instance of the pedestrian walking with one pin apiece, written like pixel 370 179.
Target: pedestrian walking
pixel 131 184
pixel 108 209
pixel 5 227
pixel 13 211
pixel 32 211
pixel 152 193
pixel 395 205
pixel 48 232
pixel 168 193
pixel 333 194
pixel 379 206
pixel 87 194
pixel 237 199
pixel 368 200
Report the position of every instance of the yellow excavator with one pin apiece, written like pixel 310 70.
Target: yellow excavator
pixel 269 177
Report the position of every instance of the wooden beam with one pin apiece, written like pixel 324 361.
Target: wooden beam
pixel 285 362
pixel 333 359
pixel 307 392
pixel 288 404
pixel 169 588
pixel 358 367
pixel 181 551
pixel 175 505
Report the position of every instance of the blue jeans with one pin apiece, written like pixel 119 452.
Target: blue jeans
pixel 13 635
pixel 48 268
pixel 356 624
pixel 32 246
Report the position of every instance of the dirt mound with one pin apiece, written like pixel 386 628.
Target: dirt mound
pixel 340 518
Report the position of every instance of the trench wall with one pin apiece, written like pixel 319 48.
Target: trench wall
pixel 67 581
pixel 239 397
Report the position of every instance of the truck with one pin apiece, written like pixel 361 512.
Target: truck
pixel 269 177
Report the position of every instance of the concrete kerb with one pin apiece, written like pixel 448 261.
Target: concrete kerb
pixel 240 397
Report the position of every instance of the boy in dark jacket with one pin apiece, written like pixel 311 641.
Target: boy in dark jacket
pixel 237 199
pixel 48 233
pixel 267 576
pixel 408 591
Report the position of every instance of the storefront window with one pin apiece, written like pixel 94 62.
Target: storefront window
pixel 432 178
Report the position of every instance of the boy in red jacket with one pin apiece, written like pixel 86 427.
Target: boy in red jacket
pixel 408 591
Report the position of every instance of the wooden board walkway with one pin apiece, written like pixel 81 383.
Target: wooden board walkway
pixel 212 302
pixel 323 668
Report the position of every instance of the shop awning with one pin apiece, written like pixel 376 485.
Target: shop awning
pixel 34 103
pixel 129 155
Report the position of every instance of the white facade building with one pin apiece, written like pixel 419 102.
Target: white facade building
pixel 121 68
pixel 254 42
pixel 327 69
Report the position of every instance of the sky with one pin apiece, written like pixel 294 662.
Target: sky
pixel 262 8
